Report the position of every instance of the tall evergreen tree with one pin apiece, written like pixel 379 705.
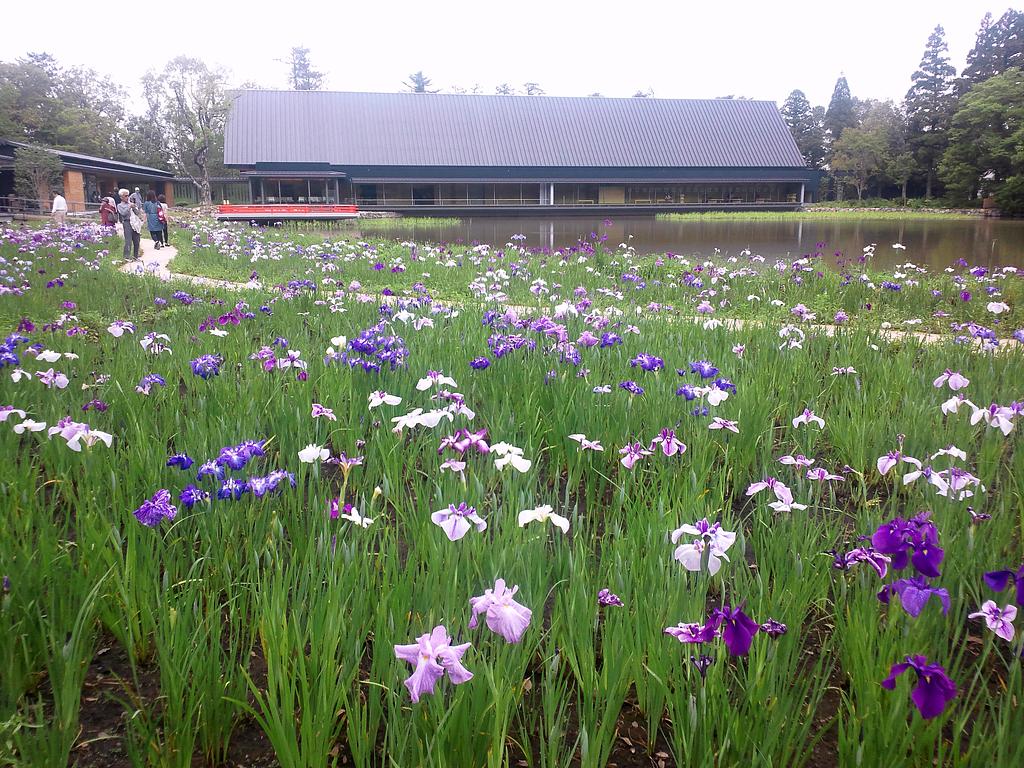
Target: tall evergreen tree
pixel 998 46
pixel 806 128
pixel 929 106
pixel 419 83
pixel 301 75
pixel 842 110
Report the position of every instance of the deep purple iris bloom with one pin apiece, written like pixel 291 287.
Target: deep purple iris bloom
pixel 704 368
pixel 916 540
pixel 606 598
pixel 997 581
pixel 479 363
pixel 739 628
pixel 232 489
pixel 180 460
pixel 154 510
pixel 687 391
pixel 702 663
pixel 914 594
pixel 632 387
pixel 206 366
pixel 878 561
pixel 191 495
pixel 211 469
pixel 647 362
pixel 934 689
pixel 774 628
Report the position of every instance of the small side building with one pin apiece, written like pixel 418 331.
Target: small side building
pixel 445 153
pixel 86 180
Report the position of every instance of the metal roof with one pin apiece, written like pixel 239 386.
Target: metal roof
pixel 89 162
pixel 446 130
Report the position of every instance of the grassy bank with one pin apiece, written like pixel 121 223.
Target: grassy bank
pixel 817 214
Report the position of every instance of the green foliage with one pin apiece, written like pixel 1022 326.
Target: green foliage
pixel 38 173
pixel 1010 197
pixel 841 113
pixel 986 137
pixel 859 154
pixel 805 123
pixel 419 83
pixel 189 102
pixel 301 75
pixel 999 46
pixel 929 106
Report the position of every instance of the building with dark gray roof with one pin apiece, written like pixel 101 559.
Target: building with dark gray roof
pixel 442 152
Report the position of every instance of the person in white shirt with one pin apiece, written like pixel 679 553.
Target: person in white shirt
pixel 59 210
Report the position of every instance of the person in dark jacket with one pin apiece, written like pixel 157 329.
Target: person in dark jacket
pixel 153 223
pixel 108 212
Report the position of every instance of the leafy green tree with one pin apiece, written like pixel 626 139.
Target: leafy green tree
pixel 999 46
pixel 419 83
pixel 38 173
pixel 842 111
pixel 859 154
pixel 929 106
pixel 190 104
pixel 986 137
pixel 806 127
pixel 301 75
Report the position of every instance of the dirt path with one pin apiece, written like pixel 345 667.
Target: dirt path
pixel 156 262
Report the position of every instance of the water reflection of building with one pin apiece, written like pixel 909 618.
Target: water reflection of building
pixel 442 153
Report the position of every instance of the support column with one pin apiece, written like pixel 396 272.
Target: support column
pixel 801 193
pixel 551 194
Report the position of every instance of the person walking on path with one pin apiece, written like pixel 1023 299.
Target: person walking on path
pixel 59 210
pixel 153 223
pixel 132 237
pixel 136 198
pixel 108 212
pixel 165 209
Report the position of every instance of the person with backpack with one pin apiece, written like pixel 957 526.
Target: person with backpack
pixel 153 223
pixel 131 221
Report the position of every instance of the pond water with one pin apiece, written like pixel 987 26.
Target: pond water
pixel 935 242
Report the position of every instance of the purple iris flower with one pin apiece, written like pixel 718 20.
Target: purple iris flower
pixel 432 655
pixel 147 382
pixel 191 496
pixel 632 387
pixel 212 469
pixel 702 663
pixel 704 368
pixel 647 362
pixel 774 628
pixel 934 689
pixel 878 561
pixel 153 511
pixel 180 460
pixel 739 628
pixel 693 633
pixel 916 540
pixel 687 391
pixel 610 339
pixel 914 594
pixel 479 363
pixel 505 616
pixel 606 598
pixel 206 366
pixel 232 489
pixel 997 581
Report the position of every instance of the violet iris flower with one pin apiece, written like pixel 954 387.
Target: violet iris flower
pixel 774 628
pixel 180 460
pixel 647 362
pixel 692 633
pixel 915 540
pixel 191 495
pixel 997 581
pixel 670 444
pixel 432 655
pixel 153 511
pixel 914 594
pixel 704 368
pixel 606 598
pixel 505 616
pixel 631 386
pixel 632 453
pixel 456 521
pixel 933 690
pixel 739 628
pixel 878 561
pixel 999 620
pixel 206 366
pixel 702 663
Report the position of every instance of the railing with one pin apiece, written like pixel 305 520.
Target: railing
pixel 28 206
pixel 462 202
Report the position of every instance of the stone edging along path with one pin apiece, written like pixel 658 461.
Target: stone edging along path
pixel 155 262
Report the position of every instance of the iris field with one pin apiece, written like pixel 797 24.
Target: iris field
pixel 402 504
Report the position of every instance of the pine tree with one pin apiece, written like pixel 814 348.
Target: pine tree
pixel 842 111
pixel 301 75
pixel 419 83
pixel 998 46
pixel 929 105
pixel 806 128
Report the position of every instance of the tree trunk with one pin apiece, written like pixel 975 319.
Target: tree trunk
pixel 903 194
pixel 928 184
pixel 205 193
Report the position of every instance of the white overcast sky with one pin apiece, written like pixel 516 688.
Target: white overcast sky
pixel 678 49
